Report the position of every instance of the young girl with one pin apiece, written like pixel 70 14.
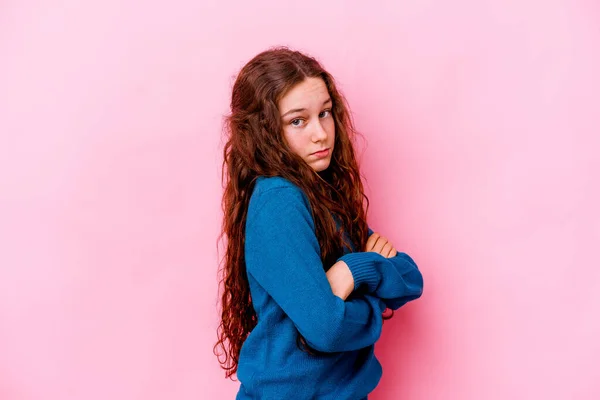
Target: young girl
pixel 305 280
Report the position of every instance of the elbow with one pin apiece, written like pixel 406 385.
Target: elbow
pixel 414 285
pixel 337 338
pixel 320 345
pixel 326 336
pixel 325 341
pixel 336 343
pixel 412 289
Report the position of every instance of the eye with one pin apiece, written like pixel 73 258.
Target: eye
pixel 325 114
pixel 296 122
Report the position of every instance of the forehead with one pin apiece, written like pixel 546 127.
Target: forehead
pixel 310 93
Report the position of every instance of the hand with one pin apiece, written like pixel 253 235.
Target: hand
pixel 341 280
pixel 379 244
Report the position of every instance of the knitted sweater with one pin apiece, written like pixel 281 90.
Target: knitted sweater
pixel 290 294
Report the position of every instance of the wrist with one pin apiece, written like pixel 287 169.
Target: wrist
pixel 341 280
pixel 364 269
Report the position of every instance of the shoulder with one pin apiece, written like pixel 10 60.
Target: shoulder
pixel 266 183
pixel 275 194
pixel 276 187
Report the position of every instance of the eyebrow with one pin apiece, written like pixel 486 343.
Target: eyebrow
pixel 295 110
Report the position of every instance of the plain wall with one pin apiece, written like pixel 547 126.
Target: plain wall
pixel 481 138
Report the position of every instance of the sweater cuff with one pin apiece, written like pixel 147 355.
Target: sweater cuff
pixel 363 269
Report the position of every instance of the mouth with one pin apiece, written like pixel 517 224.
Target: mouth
pixel 321 153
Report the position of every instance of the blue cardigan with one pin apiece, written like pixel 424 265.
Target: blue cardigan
pixel 290 293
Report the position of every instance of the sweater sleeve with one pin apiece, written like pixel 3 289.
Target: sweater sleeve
pixel 283 255
pixel 398 278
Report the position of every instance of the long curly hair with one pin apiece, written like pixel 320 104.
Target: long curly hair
pixel 256 147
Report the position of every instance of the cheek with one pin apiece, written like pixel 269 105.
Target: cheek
pixel 331 129
pixel 294 141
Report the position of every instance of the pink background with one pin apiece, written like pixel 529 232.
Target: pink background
pixel 482 124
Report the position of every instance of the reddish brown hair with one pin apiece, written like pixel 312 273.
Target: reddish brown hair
pixel 256 147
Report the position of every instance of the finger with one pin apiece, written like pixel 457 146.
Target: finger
pixel 379 245
pixel 371 241
pixel 392 252
pixel 386 250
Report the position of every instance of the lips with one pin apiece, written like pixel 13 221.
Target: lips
pixel 321 153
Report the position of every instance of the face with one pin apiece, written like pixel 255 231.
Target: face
pixel 308 125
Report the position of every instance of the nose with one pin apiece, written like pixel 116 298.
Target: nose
pixel 318 132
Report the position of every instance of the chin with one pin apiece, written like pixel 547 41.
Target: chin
pixel 321 165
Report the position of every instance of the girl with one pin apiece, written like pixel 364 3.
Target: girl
pixel 305 280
